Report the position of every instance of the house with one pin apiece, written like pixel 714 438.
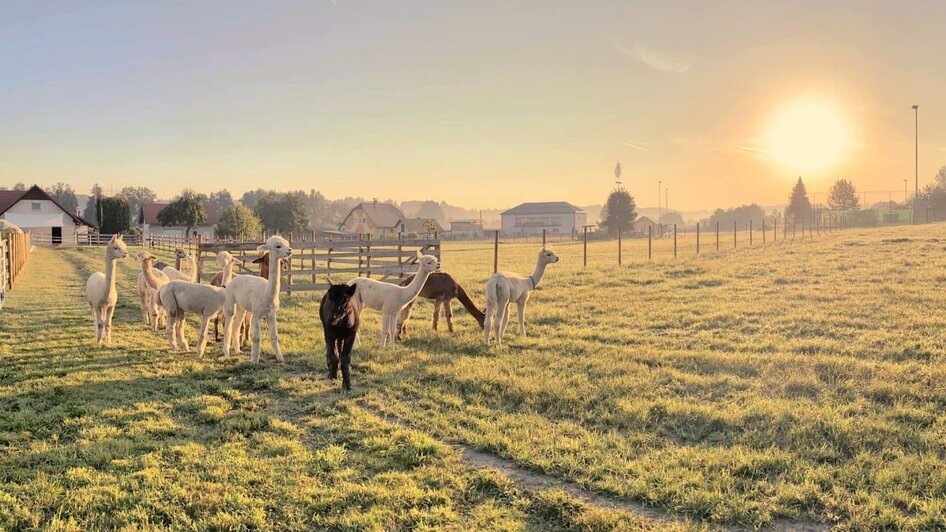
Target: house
pixel 419 226
pixel 466 229
pixel 150 226
pixel 555 217
pixel 642 224
pixel 36 212
pixel 380 220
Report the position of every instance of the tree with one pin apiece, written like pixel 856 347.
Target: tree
pixel 238 221
pixel 843 196
pixel 619 212
pixel 798 204
pixel 250 197
pixel 431 209
pixel 282 213
pixel 940 178
pixel 20 187
pixel 115 217
pixel 91 212
pixel 672 217
pixel 186 210
pixel 742 215
pixel 64 196
pixel 430 226
pixel 220 200
pixel 137 196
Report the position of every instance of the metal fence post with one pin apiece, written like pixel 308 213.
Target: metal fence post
pixel 674 240
pixel 496 251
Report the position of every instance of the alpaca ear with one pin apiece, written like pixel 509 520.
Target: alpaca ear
pixel 419 254
pixel 329 279
pixel 351 289
pixel 262 248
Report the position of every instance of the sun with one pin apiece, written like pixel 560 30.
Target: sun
pixel 808 135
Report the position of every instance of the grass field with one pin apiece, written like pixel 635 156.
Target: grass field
pixel 796 384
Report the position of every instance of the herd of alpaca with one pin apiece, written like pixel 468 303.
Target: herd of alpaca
pixel 166 295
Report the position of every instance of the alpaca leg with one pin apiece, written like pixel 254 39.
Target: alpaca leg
pixel 229 315
pixel 257 338
pixel 274 337
pixel 145 307
pixel 392 330
pixel 347 344
pixel 488 321
pixel 172 338
pixel 382 334
pixel 437 304
pixel 202 335
pixel 244 323
pixel 448 313
pixel 521 307
pixel 181 339
pixel 97 322
pixel 504 322
pixel 402 318
pixel 108 324
pixel 331 356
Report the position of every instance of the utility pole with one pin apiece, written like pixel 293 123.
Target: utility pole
pixel 916 160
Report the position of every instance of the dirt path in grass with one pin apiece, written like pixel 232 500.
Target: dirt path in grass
pixel 532 481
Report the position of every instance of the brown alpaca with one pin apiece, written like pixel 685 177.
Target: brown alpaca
pixel 442 288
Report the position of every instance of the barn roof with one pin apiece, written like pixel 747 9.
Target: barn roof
pixel 381 214
pixel 545 207
pixel 149 213
pixel 9 198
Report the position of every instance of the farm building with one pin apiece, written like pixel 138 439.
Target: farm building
pixel 466 229
pixel 36 212
pixel 380 220
pixel 555 217
pixel 419 226
pixel 150 226
pixel 641 225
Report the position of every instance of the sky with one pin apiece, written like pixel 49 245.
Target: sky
pixel 481 104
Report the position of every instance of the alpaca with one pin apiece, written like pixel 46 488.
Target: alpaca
pixel 101 293
pixel 258 296
pixel 504 288
pixel 149 281
pixel 221 279
pixel 263 261
pixel 390 298
pixel 179 297
pixel 340 324
pixel 176 275
pixel 442 288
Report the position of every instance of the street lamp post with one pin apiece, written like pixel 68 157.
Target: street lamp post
pixel 916 160
pixel 660 185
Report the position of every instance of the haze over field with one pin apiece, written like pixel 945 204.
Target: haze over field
pixel 482 105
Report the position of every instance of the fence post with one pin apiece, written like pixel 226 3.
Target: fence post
pixel 674 240
pixel 650 239
pixel 197 253
pixel 496 251
pixel 734 234
pixel 289 260
pixel 585 247
pixel 794 223
pixel 717 235
pixel 750 232
pixel 368 257
pixel 619 246
pixel 763 231
pixel 697 238
pixel 543 238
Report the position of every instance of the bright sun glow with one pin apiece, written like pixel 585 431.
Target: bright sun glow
pixel 808 136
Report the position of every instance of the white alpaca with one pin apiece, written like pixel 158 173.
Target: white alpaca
pixel 149 281
pixel 259 297
pixel 504 288
pixel 181 297
pixel 391 298
pixel 101 293
pixel 176 275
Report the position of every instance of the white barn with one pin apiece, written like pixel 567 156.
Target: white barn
pixel 150 226
pixel 37 213
pixel 555 217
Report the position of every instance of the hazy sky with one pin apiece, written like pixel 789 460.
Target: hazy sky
pixel 479 103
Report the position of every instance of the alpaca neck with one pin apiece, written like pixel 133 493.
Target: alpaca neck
pixel 150 277
pixel 418 283
pixel 227 273
pixel 110 263
pixel 192 262
pixel 537 274
pixel 273 281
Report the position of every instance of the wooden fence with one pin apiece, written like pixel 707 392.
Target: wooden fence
pixel 84 240
pixel 16 253
pixel 313 260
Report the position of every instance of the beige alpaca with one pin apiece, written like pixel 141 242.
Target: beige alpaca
pixel 505 288
pixel 101 293
pixel 176 275
pixel 258 296
pixel 149 281
pixel 180 297
pixel 391 298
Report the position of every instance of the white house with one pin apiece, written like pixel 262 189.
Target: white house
pixel 150 226
pixel 556 217
pixel 36 212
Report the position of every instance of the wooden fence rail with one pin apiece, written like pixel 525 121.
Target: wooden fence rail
pixel 17 253
pixel 313 260
pixel 3 271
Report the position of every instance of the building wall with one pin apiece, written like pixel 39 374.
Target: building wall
pixel 533 224
pixel 206 232
pixel 47 210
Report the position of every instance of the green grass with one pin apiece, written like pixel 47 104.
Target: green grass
pixel 797 382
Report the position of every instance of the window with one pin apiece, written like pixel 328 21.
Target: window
pixel 36 206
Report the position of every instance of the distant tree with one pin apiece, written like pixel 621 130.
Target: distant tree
pixel 282 213
pixel 431 209
pixel 798 204
pixel 430 226
pixel 115 217
pixel 186 209
pixel 220 200
pixel 137 196
pixel 237 221
pixel 672 217
pixel 250 197
pixel 843 196
pixel 619 212
pixel 940 178
pixel 91 212
pixel 742 215
pixel 20 187
pixel 64 196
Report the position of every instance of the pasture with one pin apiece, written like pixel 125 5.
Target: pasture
pixel 795 385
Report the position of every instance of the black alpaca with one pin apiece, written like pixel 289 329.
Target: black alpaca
pixel 340 323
